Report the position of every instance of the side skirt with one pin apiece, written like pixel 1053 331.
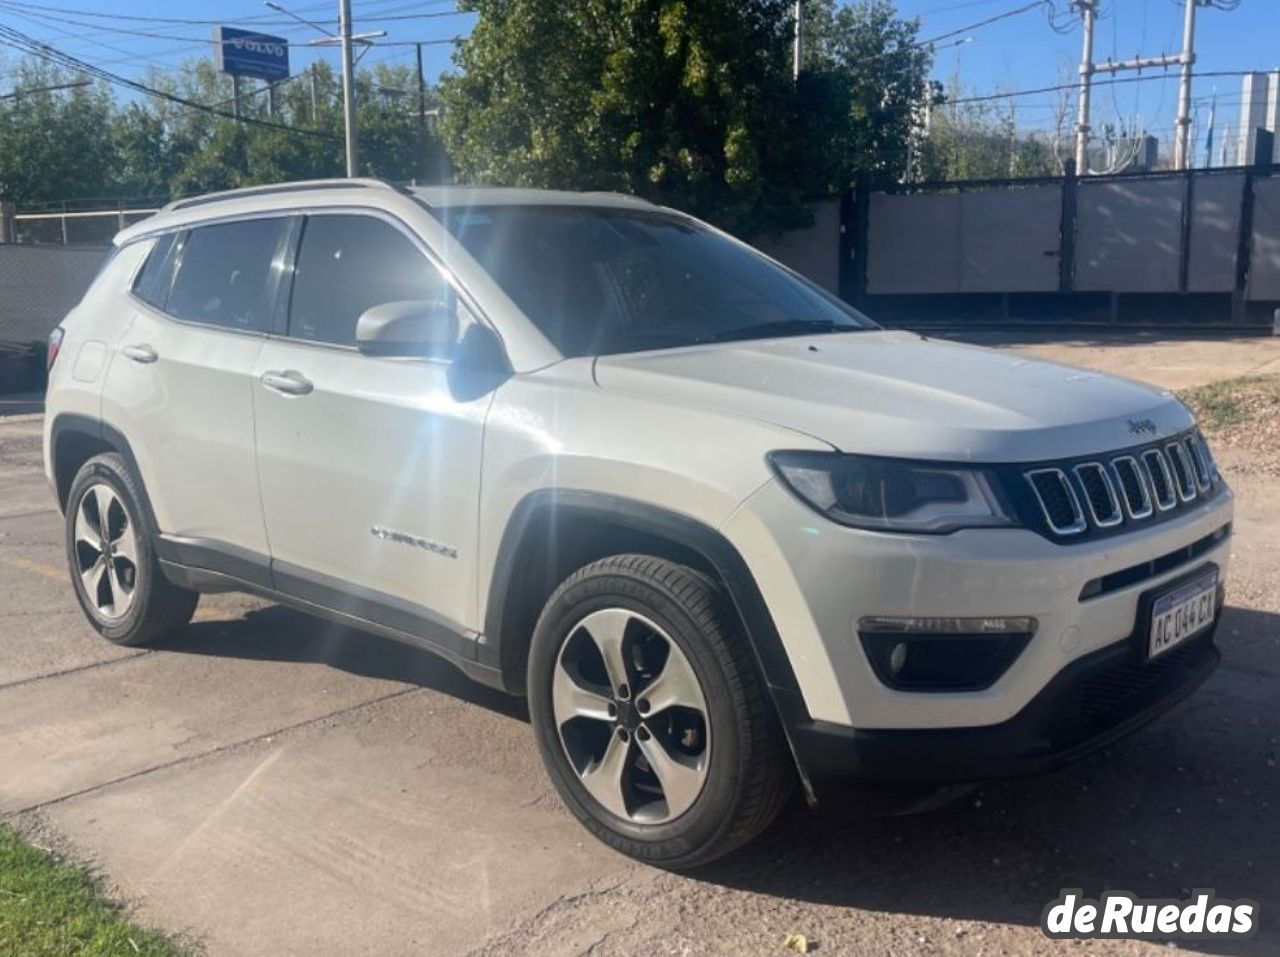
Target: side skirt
pixel 209 567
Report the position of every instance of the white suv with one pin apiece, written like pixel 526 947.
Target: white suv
pixel 724 532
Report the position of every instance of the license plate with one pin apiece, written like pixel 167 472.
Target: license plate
pixel 1185 611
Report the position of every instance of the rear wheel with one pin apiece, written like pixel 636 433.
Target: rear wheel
pixel 650 714
pixel 110 551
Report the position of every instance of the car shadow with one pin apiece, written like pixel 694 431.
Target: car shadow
pixel 1188 802
pixel 277 633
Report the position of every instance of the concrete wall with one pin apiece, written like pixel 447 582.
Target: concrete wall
pixel 812 252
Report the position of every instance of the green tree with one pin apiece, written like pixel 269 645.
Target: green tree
pixel 687 102
pixel 867 77
pixel 982 140
pixel 51 143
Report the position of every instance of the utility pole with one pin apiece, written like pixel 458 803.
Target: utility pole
pixel 348 87
pixel 422 93
pixel 1182 143
pixel 798 56
pixel 1186 60
pixel 1089 11
pixel 346 41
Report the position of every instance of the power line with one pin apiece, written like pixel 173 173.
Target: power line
pixel 28 44
pixel 983 23
pixel 152 35
pixel 988 97
pixel 254 21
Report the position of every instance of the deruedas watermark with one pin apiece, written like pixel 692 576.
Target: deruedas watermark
pixel 1121 914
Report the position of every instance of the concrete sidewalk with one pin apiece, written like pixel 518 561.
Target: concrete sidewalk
pixel 268 783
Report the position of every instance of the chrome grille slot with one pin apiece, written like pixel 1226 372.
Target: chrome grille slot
pixel 1182 473
pixel 1161 479
pixel 1057 501
pixel 1143 483
pixel 1099 493
pixel 1199 462
pixel 1133 487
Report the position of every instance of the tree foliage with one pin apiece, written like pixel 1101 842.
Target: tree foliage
pixel 85 144
pixel 982 140
pixel 687 102
pixel 691 103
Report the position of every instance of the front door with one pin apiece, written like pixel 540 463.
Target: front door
pixel 369 467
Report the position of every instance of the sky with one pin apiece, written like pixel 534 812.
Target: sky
pixel 1019 52
pixel 1024 52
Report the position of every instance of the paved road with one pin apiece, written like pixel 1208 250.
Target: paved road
pixel 271 784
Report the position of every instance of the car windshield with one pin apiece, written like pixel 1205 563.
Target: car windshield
pixel 599 281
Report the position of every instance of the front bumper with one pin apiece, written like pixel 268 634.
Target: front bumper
pixel 1091 703
pixel 817 579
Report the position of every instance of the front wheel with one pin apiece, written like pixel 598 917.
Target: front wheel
pixel 650 714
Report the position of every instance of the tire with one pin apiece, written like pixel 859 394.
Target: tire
pixel 583 721
pixel 131 603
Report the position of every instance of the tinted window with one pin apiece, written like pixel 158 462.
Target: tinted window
pixel 348 264
pixel 224 274
pixel 608 280
pixel 152 284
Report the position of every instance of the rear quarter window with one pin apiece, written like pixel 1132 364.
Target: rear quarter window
pixel 152 282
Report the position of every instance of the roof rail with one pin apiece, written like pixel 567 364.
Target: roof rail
pixel 275 188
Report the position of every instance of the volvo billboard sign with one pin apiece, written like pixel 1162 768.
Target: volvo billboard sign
pixel 249 53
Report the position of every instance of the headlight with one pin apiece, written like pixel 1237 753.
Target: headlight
pixel 891 494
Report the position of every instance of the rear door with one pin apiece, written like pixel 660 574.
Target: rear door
pixel 370 467
pixel 180 388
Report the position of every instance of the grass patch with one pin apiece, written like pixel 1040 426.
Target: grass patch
pixel 49 908
pixel 1234 404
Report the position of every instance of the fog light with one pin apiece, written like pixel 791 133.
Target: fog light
pixel 898 658
pixel 943 654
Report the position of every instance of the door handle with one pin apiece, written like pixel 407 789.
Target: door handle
pixel 141 353
pixel 287 382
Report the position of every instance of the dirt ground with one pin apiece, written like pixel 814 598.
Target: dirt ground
pixel 270 784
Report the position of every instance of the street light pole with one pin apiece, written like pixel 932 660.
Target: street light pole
pixel 348 87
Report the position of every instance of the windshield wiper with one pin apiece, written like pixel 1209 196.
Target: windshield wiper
pixel 783 327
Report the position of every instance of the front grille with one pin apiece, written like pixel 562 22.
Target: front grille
pixel 1124 489
pixel 1099 493
pixel 1199 461
pixel 1058 499
pixel 1181 471
pixel 1133 486
pixel 1161 479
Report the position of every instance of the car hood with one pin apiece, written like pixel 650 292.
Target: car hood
pixel 900 394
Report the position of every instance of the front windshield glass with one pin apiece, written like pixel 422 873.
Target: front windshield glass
pixel 598 281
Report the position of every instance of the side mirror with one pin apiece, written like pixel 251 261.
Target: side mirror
pixel 413 328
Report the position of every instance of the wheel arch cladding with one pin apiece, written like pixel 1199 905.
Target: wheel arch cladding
pixel 552 533
pixel 74 439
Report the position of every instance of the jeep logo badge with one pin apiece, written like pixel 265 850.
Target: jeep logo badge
pixel 1142 427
